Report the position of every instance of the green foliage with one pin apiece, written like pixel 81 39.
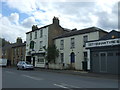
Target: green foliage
pixel 34 27
pixel 52 53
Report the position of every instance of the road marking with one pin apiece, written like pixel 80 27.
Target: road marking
pixel 69 85
pixel 9 72
pixel 60 86
pixel 35 78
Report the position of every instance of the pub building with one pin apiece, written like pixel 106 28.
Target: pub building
pixel 105 53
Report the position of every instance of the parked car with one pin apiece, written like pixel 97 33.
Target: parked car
pixel 3 62
pixel 24 65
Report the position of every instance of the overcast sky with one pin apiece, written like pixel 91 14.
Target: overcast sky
pixel 18 16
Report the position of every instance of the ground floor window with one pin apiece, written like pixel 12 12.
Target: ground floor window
pixel 40 60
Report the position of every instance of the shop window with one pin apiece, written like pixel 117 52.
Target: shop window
pixel 110 54
pixel 41 60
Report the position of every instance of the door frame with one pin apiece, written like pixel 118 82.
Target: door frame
pixel 33 61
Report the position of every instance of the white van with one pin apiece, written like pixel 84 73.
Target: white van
pixel 3 62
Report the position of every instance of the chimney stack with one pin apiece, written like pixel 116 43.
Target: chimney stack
pixel 55 21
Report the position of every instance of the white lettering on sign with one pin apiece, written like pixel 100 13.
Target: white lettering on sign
pixel 109 42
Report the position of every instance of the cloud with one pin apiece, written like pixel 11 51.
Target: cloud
pixel 78 15
pixel 28 22
pixel 11 31
pixel 14 17
pixel 108 20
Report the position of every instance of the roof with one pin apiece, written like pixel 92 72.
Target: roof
pixel 39 28
pixel 78 32
pixel 114 33
pixel 13 45
pixel 18 45
pixel 109 36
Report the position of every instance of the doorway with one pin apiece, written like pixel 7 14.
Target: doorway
pixel 72 55
pixel 103 61
pixel 33 61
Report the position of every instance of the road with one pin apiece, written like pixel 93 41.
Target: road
pixel 13 78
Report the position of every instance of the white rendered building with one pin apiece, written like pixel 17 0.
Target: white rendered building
pixel 38 39
pixel 72 50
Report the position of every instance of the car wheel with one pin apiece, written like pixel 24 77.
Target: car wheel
pixel 17 68
pixel 23 67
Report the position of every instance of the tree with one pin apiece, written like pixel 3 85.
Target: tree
pixel 52 53
pixel 34 27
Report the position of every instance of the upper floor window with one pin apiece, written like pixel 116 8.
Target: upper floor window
pixel 85 39
pixel 41 44
pixel 61 44
pixel 72 43
pixel 31 36
pixel 35 34
pixel 41 33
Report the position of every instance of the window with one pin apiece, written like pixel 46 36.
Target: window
pixel 85 56
pixel 118 54
pixel 72 43
pixel 85 39
pixel 41 60
pixel 41 33
pixel 110 54
pixel 31 36
pixel 61 44
pixel 103 54
pixel 62 57
pixel 21 51
pixel 35 34
pixel 41 46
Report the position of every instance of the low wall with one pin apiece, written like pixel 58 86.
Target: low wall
pixel 55 66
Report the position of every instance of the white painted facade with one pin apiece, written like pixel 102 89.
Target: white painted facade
pixel 78 50
pixel 38 48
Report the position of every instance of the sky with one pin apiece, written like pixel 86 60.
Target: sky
pixel 18 16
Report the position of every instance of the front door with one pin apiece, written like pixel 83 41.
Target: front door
pixel 103 62
pixel 72 57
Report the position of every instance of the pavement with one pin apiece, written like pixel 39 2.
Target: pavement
pixel 81 73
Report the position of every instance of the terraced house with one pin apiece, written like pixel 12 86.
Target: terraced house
pixel 72 50
pixel 40 38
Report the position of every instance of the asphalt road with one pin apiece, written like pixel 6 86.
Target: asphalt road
pixel 13 78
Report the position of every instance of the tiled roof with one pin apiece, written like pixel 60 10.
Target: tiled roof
pixel 110 34
pixel 78 32
pixel 13 45
pixel 18 45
